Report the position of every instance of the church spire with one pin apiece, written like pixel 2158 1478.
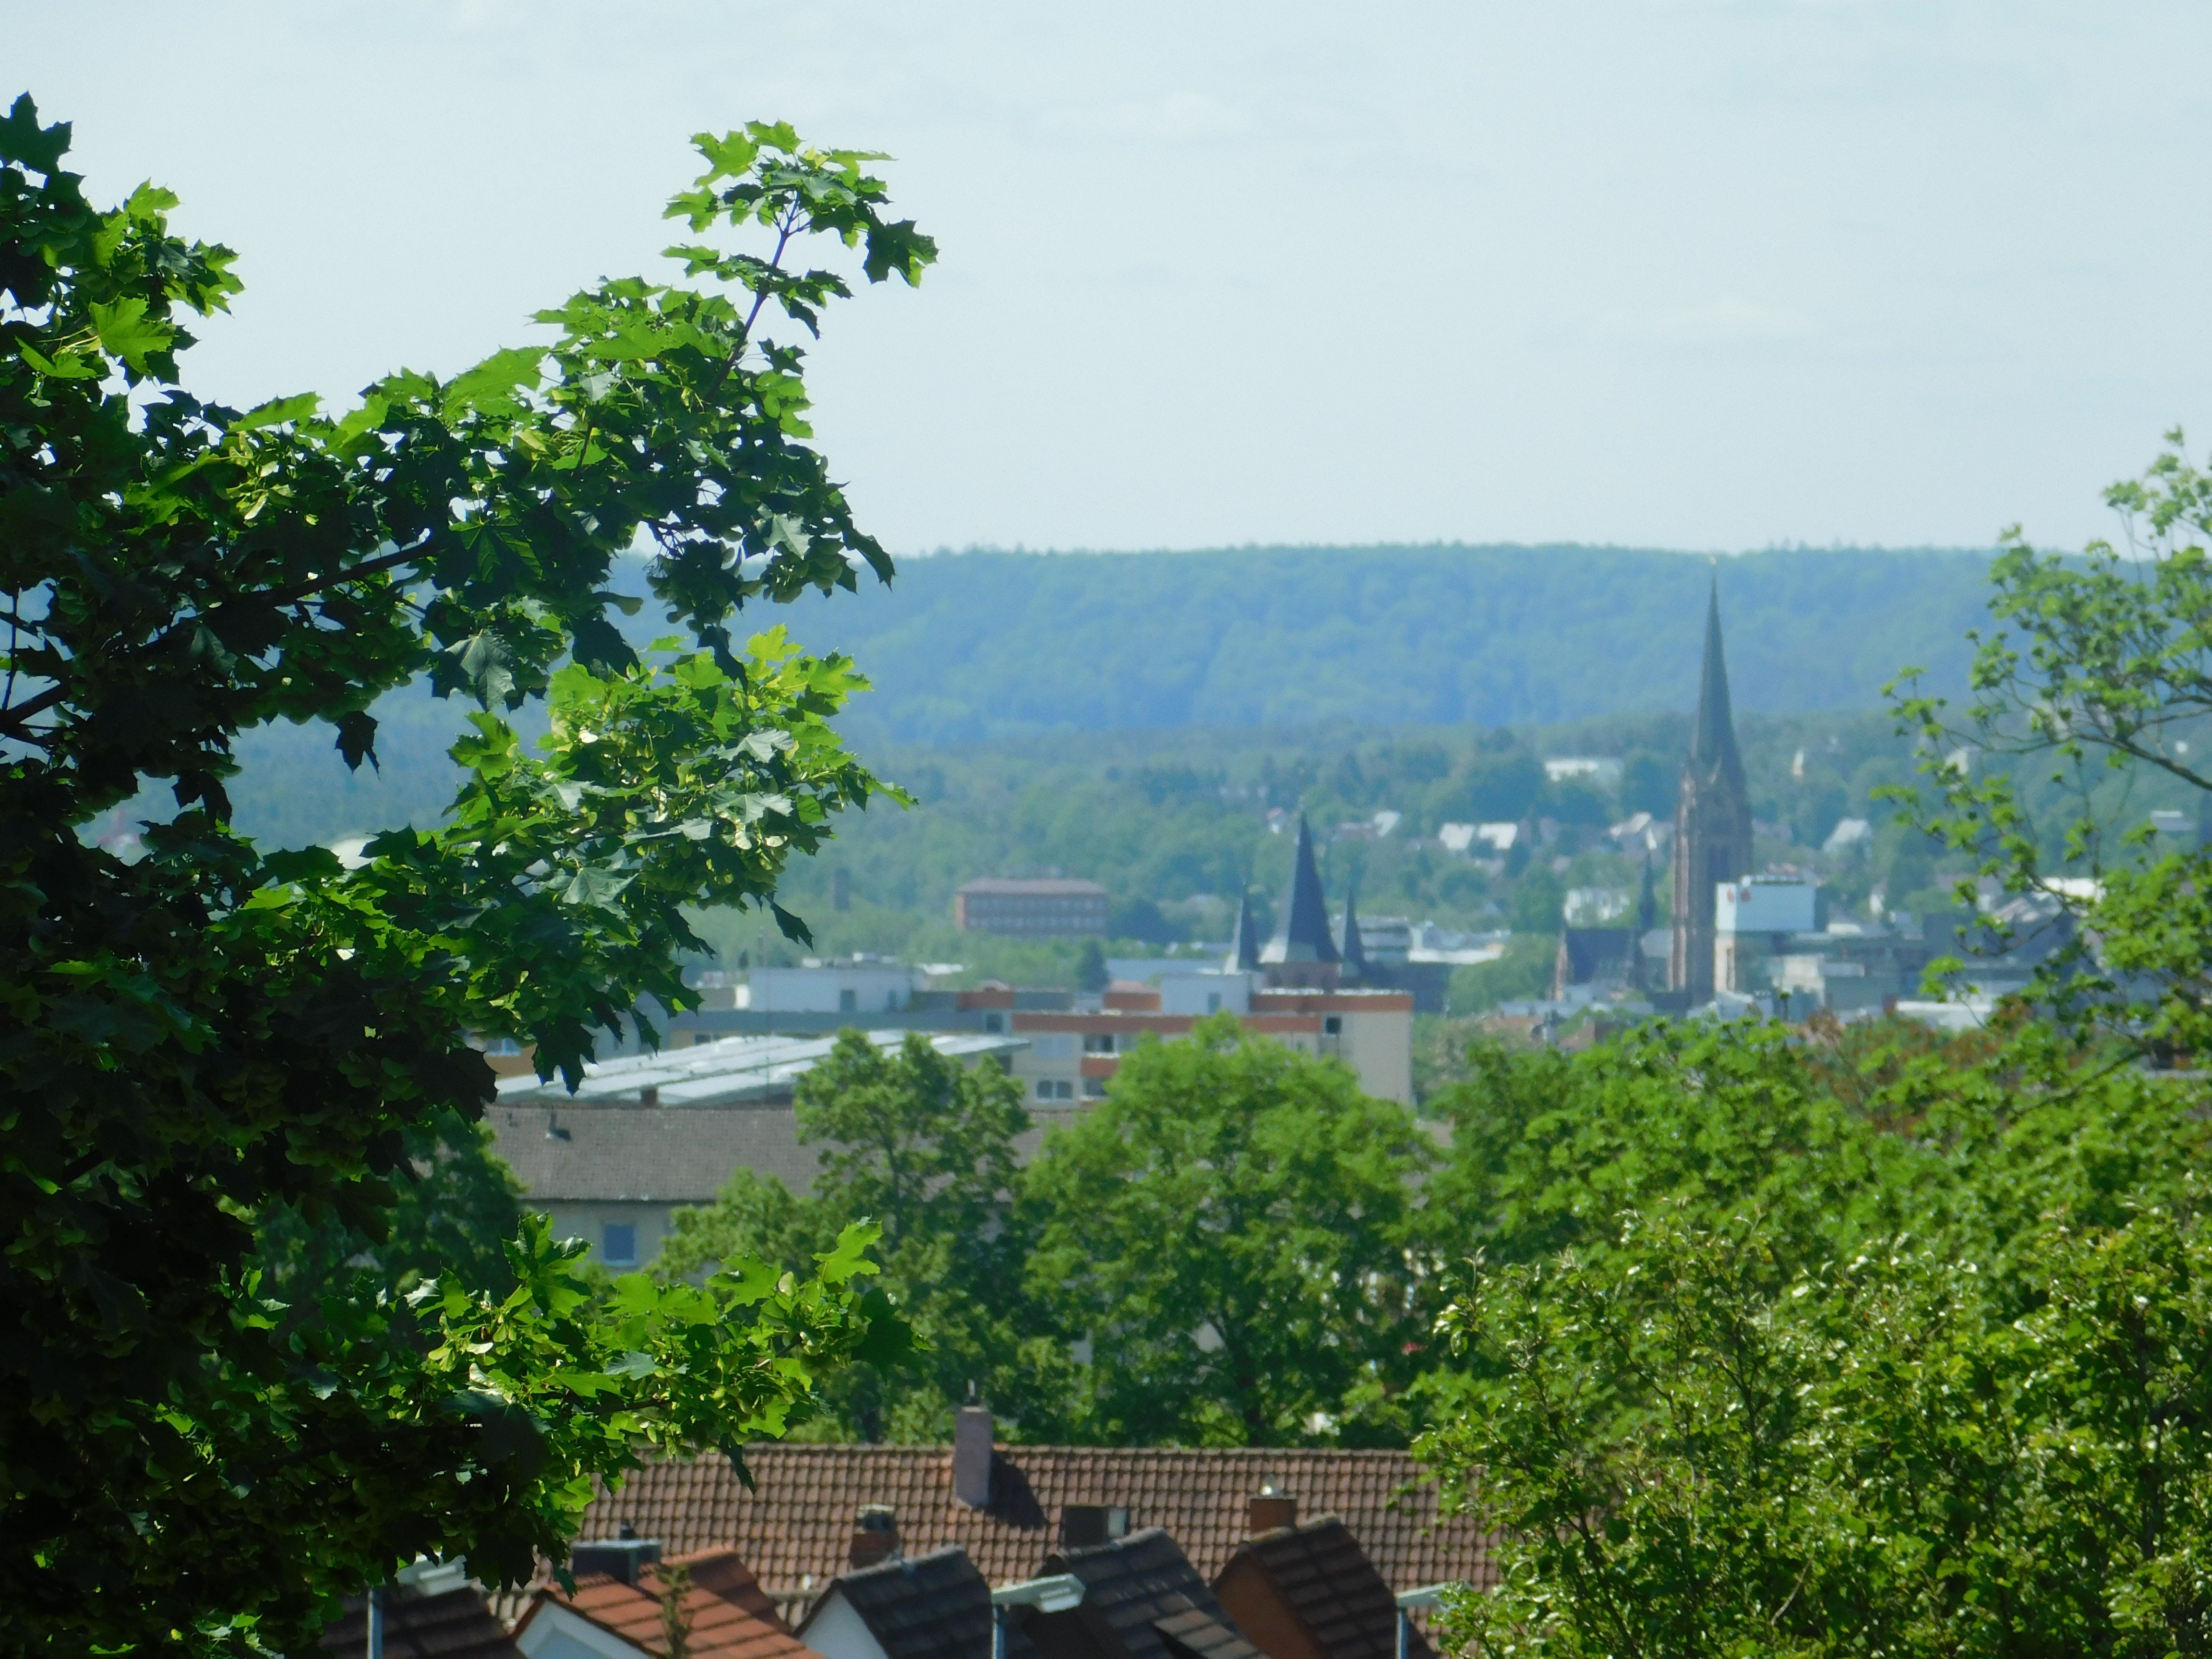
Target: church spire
pixel 1713 735
pixel 1646 919
pixel 1349 945
pixel 1301 935
pixel 1244 948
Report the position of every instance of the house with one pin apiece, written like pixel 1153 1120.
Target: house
pixel 648 1134
pixel 1305 1590
pixel 1599 772
pixel 433 1614
pixel 1142 1599
pixel 708 1604
pixel 1007 1506
pixel 911 1606
pixel 1054 908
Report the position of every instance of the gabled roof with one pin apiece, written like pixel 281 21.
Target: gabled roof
pixel 1314 1576
pixel 1712 734
pixel 456 1624
pixel 1351 947
pixel 923 1607
pixel 727 1615
pixel 1301 935
pixel 1244 948
pixel 1142 1599
pixel 798 1520
pixel 1590 956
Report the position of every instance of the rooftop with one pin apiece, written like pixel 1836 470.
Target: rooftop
pixel 726 1071
pixel 726 1615
pixel 799 1522
pixel 1040 887
pixel 925 1607
pixel 1320 1578
pixel 1142 1599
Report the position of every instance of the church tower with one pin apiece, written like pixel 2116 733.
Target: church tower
pixel 1712 821
pixel 1302 956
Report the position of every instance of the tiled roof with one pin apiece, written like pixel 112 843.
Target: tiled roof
pixel 454 1625
pixel 729 1616
pixel 1316 1574
pixel 663 1155
pixel 926 1606
pixel 1142 1599
pixel 800 1522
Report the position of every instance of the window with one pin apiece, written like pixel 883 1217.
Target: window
pixel 1214 1002
pixel 995 1022
pixel 848 1002
pixel 1054 1088
pixel 1094 1088
pixel 1098 1042
pixel 618 1244
pixel 1332 1025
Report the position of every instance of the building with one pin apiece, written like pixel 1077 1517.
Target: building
pixel 1754 919
pixel 430 1612
pixel 646 1135
pixel 934 1605
pixel 1142 1599
pixel 1305 1590
pixel 1599 772
pixel 1712 824
pixel 1008 1506
pixel 1301 955
pixel 1070 1056
pixel 710 1598
pixel 1049 908
pixel 861 985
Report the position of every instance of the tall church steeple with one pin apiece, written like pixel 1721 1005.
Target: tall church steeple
pixel 1712 820
pixel 1302 954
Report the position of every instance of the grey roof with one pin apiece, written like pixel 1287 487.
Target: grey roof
pixel 1301 935
pixel 456 1624
pixel 1039 887
pixel 1712 734
pixel 1244 949
pixel 924 1607
pixel 1142 1599
pixel 728 1070
pixel 657 1155
pixel 1321 1579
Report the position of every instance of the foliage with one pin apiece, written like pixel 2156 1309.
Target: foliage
pixel 1829 1343
pixel 1233 1233
pixel 926 1144
pixel 213 1036
pixel 2096 682
pixel 1523 971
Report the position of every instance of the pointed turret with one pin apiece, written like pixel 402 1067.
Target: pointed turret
pixel 1349 946
pixel 1713 735
pixel 1244 948
pixel 1302 935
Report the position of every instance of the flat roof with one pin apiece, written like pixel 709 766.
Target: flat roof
pixel 728 1070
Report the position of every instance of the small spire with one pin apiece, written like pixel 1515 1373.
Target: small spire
pixel 1244 947
pixel 1301 935
pixel 1349 944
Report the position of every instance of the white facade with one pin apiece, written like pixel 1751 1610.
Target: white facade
pixel 866 987
pixel 1207 990
pixel 553 1631
pixel 835 1631
pixel 1765 904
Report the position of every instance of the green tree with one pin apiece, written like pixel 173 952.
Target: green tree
pixel 215 1035
pixel 926 1145
pixel 2091 692
pixel 1234 1232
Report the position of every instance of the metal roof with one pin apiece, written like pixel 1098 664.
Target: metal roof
pixel 728 1070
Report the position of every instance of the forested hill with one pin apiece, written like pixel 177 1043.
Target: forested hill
pixel 969 647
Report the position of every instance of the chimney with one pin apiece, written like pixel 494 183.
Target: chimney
pixel 1268 1509
pixel 875 1536
pixel 971 1457
pixel 1085 1526
pixel 625 1557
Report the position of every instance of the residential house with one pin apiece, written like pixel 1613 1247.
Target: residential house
pixel 1007 1506
pixel 1306 1590
pixel 934 1606
pixel 437 1614
pixel 1142 1599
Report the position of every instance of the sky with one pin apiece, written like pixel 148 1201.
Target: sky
pixel 1706 274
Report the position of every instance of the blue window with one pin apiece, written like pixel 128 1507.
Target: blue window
pixel 618 1244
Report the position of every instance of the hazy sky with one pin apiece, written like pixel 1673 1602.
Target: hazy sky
pixel 1698 274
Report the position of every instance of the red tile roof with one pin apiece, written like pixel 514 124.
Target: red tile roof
pixel 800 1522
pixel 729 1615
